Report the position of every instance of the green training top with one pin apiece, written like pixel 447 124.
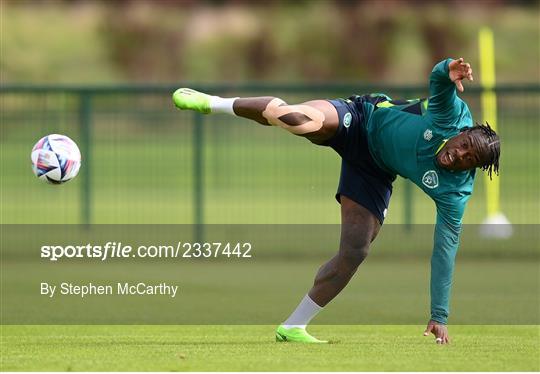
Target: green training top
pixel 404 138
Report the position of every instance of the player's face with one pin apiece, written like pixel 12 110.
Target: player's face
pixel 462 152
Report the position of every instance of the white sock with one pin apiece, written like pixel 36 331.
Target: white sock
pixel 222 105
pixel 303 314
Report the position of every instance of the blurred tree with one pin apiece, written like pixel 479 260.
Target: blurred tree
pixel 369 30
pixel 443 36
pixel 144 40
pixel 238 40
pixel 261 53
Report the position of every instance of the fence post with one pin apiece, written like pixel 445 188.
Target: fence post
pixel 85 112
pixel 407 205
pixel 198 173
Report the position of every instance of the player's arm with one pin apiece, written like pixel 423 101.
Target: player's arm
pixel 445 246
pixel 446 76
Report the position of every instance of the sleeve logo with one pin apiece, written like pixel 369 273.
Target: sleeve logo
pixel 430 179
pixel 428 134
pixel 347 119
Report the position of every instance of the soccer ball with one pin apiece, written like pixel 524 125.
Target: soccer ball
pixel 56 159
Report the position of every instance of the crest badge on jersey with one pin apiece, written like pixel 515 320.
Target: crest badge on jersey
pixel 428 134
pixel 430 179
pixel 347 119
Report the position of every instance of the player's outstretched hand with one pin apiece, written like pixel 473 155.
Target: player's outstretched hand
pixel 459 70
pixel 439 330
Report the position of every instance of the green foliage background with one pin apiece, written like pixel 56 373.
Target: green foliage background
pixel 370 41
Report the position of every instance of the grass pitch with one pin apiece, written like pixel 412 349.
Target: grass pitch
pixel 251 348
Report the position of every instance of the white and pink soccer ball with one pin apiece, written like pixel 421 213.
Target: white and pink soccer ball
pixel 56 159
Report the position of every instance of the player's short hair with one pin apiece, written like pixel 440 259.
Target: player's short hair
pixel 491 147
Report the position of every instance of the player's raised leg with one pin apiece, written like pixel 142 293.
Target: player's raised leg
pixel 359 227
pixel 316 120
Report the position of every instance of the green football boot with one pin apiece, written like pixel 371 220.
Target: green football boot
pixel 295 335
pixel 186 98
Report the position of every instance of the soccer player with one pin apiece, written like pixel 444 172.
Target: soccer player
pixel 430 141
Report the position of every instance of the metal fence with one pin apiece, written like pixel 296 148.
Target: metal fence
pixel 144 161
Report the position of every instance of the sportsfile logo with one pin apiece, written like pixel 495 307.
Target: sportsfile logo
pixel 120 250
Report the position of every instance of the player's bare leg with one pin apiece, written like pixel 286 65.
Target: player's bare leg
pixel 316 120
pixel 359 227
